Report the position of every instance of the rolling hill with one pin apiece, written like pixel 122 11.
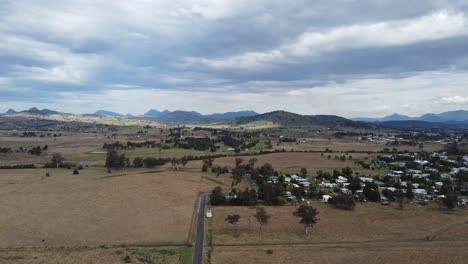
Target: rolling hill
pixel 292 120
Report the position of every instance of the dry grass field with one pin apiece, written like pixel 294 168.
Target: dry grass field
pixel 348 144
pixel 368 222
pixel 94 208
pixel 292 162
pixel 370 234
pixel 384 253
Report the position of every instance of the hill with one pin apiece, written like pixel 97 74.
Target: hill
pixel 10 112
pixel 37 111
pixel 156 113
pixel 229 115
pixel 179 116
pixel 183 117
pixel 107 113
pixel 292 120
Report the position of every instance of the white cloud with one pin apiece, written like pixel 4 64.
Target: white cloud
pixel 373 97
pixel 454 99
pixel 434 26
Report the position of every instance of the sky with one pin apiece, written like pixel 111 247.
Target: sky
pixel 349 58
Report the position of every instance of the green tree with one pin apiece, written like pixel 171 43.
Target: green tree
pixel 450 200
pixel 262 217
pixel 343 201
pixel 307 215
pixel 217 196
pixel 138 162
pixel 233 220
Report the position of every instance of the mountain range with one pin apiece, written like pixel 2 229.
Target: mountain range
pixel 166 116
pixel 445 117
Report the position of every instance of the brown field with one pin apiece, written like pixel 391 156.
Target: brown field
pixel 372 233
pixel 368 222
pixel 292 162
pixel 385 253
pixel 94 208
pixel 70 255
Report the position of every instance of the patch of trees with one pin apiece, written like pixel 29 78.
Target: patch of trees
pixel 35 151
pixel 18 166
pixel 5 150
pixel 197 144
pixel 148 162
pixel 343 201
pixel 371 191
pixel 246 197
pixel 130 145
pixel 116 160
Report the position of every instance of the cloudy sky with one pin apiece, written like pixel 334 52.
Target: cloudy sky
pixel 343 57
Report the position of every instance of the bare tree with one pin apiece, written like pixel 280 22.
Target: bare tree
pixel 308 216
pixel 262 217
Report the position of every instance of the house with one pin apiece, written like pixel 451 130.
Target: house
pixel 419 192
pixel 325 198
pixel 346 191
pixel 341 179
pixel 422 162
pixel 366 179
pixel 272 179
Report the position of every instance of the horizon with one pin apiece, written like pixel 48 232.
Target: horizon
pixel 214 113
pixel 348 59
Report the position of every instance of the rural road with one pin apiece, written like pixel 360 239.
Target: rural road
pixel 249 181
pixel 198 255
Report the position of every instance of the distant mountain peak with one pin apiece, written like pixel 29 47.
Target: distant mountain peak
pixel 457 116
pixel 107 113
pixel 11 111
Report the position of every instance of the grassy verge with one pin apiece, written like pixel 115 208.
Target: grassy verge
pixel 163 255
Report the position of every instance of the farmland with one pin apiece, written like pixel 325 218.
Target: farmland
pixel 370 233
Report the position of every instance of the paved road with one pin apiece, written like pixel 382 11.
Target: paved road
pixel 249 181
pixel 198 255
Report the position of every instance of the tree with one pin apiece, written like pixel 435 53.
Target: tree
pixel 138 162
pixel 409 193
pixel 238 162
pixel 262 217
pixel 450 200
pixel 233 219
pixel 251 163
pixel 114 160
pixel 354 185
pixel 217 197
pixel 57 159
pixel 303 172
pixel 400 196
pixel 371 192
pixel 184 161
pixel 308 216
pixel 343 201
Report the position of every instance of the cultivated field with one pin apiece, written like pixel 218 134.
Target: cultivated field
pixel 94 208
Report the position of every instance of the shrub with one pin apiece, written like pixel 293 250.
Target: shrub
pixel 343 201
pixel 76 172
